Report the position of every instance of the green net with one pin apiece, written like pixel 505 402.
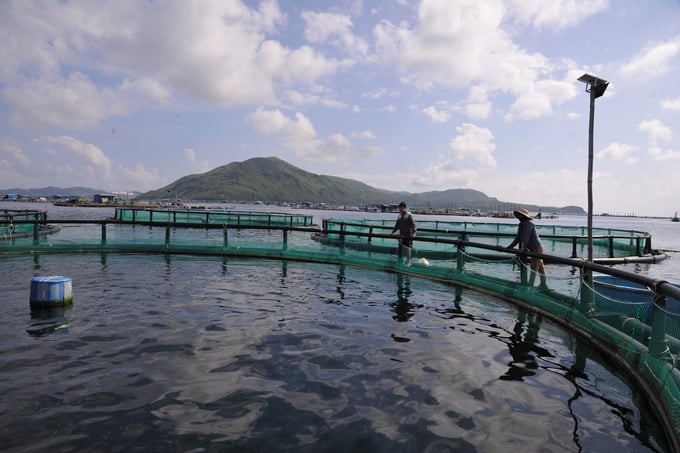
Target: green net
pixel 608 244
pixel 11 222
pixel 641 332
pixel 212 217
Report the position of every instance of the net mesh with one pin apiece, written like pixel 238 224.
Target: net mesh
pixel 212 217
pixel 11 222
pixel 564 241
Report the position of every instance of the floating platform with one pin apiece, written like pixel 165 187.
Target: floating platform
pixel 208 216
pixel 442 240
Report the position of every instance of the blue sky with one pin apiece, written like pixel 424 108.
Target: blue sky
pixel 403 95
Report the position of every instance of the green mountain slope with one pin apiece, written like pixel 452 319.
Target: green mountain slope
pixel 268 179
pixel 51 191
pixel 274 180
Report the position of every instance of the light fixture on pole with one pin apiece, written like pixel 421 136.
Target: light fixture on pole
pixel 596 87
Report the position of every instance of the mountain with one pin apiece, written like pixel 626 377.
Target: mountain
pixel 51 191
pixel 274 180
pixel 268 179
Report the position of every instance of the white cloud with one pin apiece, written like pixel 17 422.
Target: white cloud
pixel 656 131
pixel 619 151
pixel 190 155
pixel 558 187
pixel 376 94
pixel 299 98
pixel 436 176
pixel 671 104
pixel 653 61
pixel 447 45
pixel 660 154
pixel 445 173
pixel 462 43
pixel 474 141
pixel 75 103
pixel 146 87
pixel 14 152
pixel 96 162
pixel 303 65
pixel 269 16
pixel 200 166
pixel 538 99
pixel 477 105
pixel 67 161
pixel 478 110
pixel 218 52
pixel 449 171
pixel 369 152
pixel 140 177
pixel 555 14
pixel 334 28
pixel 367 135
pixel 299 136
pixel 438 116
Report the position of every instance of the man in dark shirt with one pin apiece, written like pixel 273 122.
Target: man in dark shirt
pixel 528 241
pixel 407 231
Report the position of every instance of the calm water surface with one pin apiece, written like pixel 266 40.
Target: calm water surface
pixel 187 353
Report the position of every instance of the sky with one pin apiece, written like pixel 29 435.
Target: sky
pixel 131 95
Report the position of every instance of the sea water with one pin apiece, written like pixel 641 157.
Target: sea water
pixel 179 353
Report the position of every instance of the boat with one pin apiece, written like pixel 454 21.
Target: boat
pixel 675 218
pixel 540 215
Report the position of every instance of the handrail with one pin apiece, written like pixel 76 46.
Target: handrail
pixel 387 226
pixel 653 284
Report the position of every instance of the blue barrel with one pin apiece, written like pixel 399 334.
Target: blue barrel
pixel 54 291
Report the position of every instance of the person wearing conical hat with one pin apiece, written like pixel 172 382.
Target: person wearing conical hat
pixel 528 241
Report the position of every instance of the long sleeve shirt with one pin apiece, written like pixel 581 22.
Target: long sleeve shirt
pixel 527 237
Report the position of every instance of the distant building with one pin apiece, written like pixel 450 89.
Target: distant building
pixel 103 198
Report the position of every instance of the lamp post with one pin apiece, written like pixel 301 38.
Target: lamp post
pixel 596 87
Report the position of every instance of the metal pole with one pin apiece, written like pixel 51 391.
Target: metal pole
pixel 589 274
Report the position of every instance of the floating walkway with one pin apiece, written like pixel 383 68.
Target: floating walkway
pixel 610 246
pixel 15 223
pixel 642 339
pixel 214 217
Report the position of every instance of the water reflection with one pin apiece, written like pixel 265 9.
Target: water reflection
pixel 458 297
pixel 242 356
pixel 577 370
pixel 523 346
pixel 46 321
pixel 403 309
pixel 341 280
pixel 168 267
pixel 456 311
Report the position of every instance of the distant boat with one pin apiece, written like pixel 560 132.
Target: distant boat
pixel 675 217
pixel 546 216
